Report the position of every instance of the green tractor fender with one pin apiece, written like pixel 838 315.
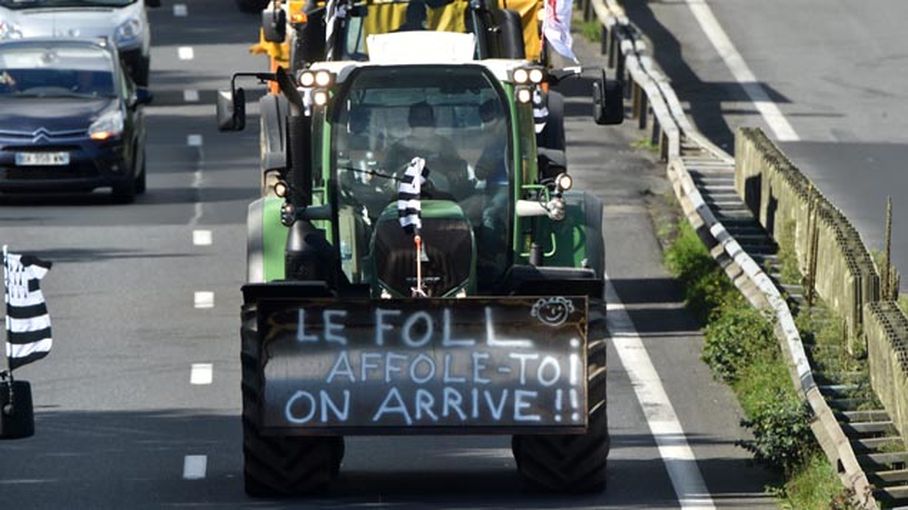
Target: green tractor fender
pixel 266 240
pixel 578 240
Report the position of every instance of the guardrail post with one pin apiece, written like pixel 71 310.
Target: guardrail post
pixel 612 50
pixel 603 42
pixel 587 10
pixel 643 111
pixel 635 100
pixel 655 138
pixel 663 147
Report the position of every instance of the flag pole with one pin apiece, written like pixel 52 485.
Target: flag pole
pixel 5 370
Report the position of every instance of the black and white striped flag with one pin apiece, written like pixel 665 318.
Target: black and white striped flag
pixel 409 207
pixel 28 334
pixel 540 111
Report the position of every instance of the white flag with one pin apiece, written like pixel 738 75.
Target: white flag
pixel 556 27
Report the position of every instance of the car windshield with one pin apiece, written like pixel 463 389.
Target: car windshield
pixel 27 4
pixel 453 117
pixel 400 16
pixel 56 71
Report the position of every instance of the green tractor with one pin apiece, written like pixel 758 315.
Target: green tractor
pixel 468 304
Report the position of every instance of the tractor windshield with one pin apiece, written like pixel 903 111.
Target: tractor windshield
pixel 456 118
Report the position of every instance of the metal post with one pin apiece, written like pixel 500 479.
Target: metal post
pixel 612 48
pixel 603 42
pixel 885 277
pixel 643 110
pixel 654 138
pixel 635 100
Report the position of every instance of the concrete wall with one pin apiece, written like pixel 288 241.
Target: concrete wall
pixel 779 195
pixel 846 278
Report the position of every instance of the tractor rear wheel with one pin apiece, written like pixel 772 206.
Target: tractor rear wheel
pixel 278 465
pixel 573 463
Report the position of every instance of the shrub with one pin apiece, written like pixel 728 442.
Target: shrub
pixel 782 437
pixel 734 340
pixel 706 287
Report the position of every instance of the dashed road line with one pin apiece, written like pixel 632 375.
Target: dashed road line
pixel 203 299
pixel 191 96
pixel 194 140
pixel 781 128
pixel 664 425
pixel 195 467
pixel 180 10
pixel 202 238
pixel 185 53
pixel 201 374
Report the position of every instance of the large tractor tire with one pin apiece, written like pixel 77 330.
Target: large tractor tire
pixel 275 466
pixel 574 463
pixel 252 5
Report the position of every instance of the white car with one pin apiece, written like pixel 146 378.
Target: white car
pixel 122 22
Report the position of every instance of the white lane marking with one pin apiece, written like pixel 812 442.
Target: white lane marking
pixel 180 10
pixel 780 126
pixel 194 467
pixel 185 53
pixel 191 96
pixel 203 299
pixel 676 454
pixel 202 238
pixel 201 373
pixel 194 140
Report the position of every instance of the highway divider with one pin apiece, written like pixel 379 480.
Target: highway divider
pixel 656 107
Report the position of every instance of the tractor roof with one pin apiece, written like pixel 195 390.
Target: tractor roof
pixel 422 48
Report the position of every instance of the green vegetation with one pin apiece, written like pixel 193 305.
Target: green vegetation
pixel 646 144
pixel 741 348
pixel 591 30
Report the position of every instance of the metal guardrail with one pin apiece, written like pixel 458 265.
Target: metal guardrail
pixel 683 147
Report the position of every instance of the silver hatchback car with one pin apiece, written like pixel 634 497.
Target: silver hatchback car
pixel 122 22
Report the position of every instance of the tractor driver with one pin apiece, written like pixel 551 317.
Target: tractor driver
pixel 447 170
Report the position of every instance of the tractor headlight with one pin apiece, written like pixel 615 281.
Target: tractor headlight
pixel 307 78
pixel 129 31
pixel 524 95
pixel 564 182
pixel 536 75
pixel 320 97
pixel 107 126
pixel 527 75
pixel 321 79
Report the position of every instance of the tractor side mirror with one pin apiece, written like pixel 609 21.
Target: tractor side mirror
pixel 608 102
pixel 231 110
pixel 274 25
pixel 152 3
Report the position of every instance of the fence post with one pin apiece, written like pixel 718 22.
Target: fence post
pixel 887 261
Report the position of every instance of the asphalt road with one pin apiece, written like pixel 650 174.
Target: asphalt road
pixel 837 71
pixel 138 404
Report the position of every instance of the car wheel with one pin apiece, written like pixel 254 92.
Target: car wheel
pixel 141 72
pixel 140 179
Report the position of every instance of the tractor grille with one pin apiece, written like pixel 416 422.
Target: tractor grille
pixel 448 245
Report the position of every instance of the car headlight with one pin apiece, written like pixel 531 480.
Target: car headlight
pixel 109 125
pixel 9 30
pixel 129 31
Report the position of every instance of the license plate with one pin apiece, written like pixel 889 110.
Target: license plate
pixel 42 158
pixel 498 364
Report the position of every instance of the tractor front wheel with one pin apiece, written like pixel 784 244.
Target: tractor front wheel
pixel 573 463
pixel 278 465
